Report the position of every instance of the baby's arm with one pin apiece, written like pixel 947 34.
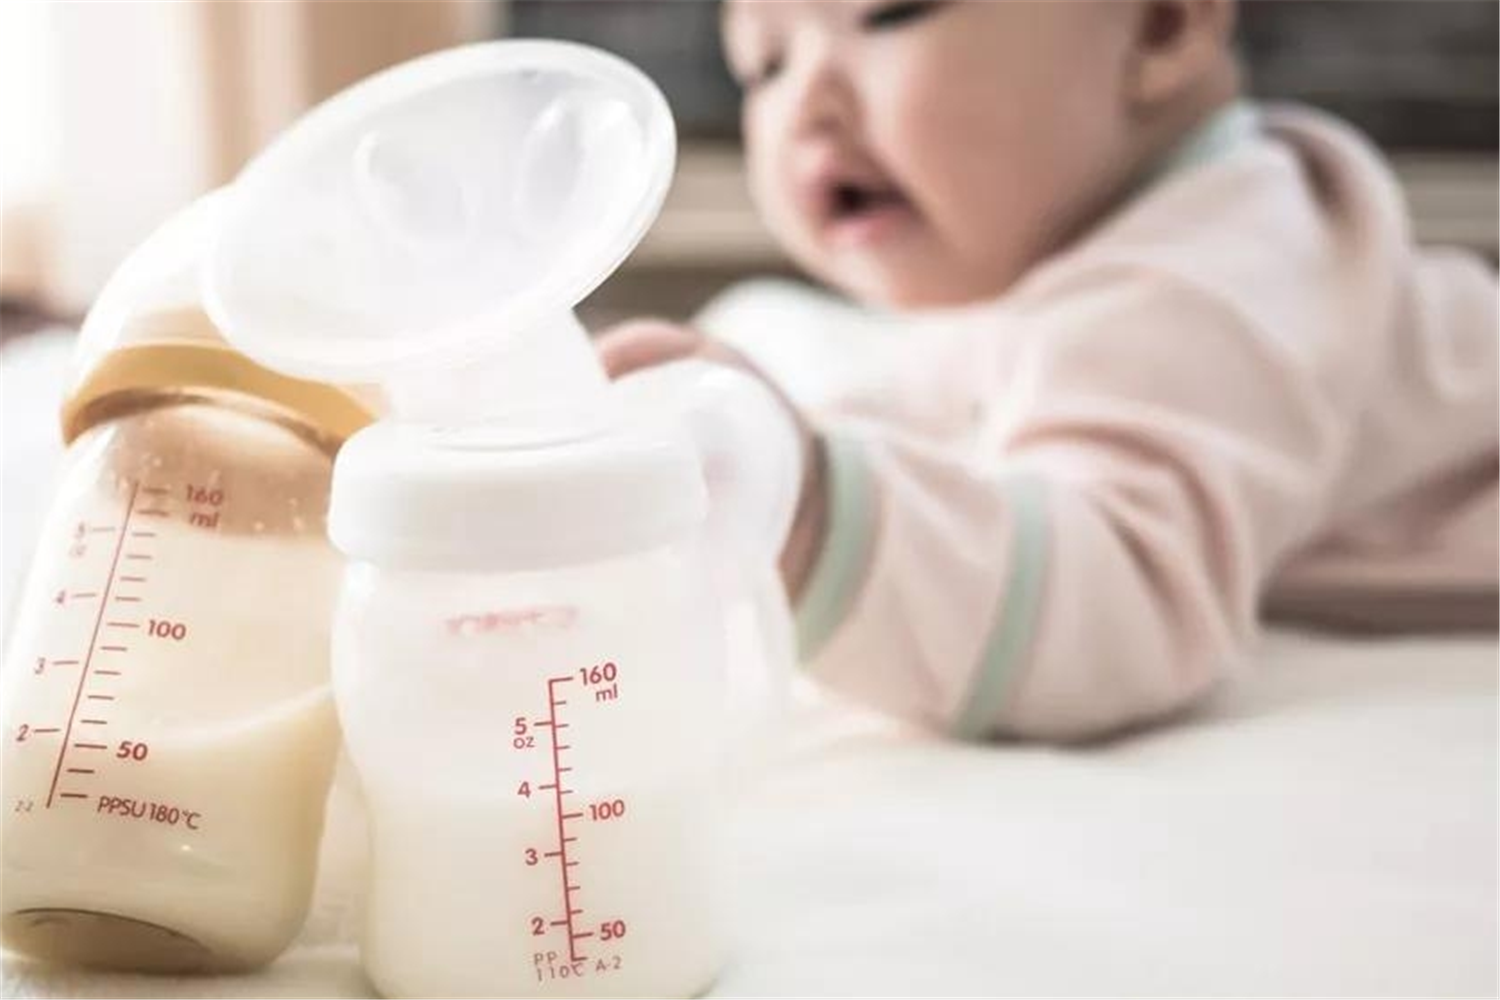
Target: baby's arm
pixel 1096 560
pixel 1093 557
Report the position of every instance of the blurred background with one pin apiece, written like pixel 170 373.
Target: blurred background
pixel 114 115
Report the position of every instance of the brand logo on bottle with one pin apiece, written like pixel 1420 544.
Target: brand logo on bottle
pixel 550 617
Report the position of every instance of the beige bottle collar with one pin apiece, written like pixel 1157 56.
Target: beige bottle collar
pixel 179 355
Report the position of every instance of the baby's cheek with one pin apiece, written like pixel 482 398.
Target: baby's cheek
pixel 977 171
pixel 770 184
pixel 925 117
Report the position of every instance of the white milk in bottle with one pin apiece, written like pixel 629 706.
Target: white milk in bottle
pixel 543 796
pixel 168 719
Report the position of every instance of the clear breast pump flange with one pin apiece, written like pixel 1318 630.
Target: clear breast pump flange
pixel 529 650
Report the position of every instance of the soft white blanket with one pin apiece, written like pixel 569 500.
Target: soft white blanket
pixel 1326 827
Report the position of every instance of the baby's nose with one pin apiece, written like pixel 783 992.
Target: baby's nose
pixel 826 99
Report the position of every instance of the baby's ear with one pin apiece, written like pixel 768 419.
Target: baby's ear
pixel 1176 45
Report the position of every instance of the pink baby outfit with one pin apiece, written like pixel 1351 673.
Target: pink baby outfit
pixel 1246 391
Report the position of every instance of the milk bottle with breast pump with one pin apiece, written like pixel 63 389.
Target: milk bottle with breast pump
pixel 169 730
pixel 529 649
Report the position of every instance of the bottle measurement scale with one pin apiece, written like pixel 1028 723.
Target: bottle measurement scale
pixel 107 577
pixel 599 688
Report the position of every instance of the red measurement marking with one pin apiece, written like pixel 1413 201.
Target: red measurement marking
pixel 83 594
pixel 143 534
pixel 64 663
pixel 128 599
pixel 138 556
pixel 74 795
pixel 111 673
pixel 122 624
pixel 48 729
pixel 154 512
pixel 90 746
pixel 92 697
pixel 132 579
pixel 563 840
pixel 113 649
pixel 83 675
pixel 94 722
pixel 155 491
pixel 80 770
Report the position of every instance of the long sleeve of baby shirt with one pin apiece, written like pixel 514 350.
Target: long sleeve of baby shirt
pixel 1060 514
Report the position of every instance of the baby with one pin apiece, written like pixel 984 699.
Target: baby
pixel 1200 374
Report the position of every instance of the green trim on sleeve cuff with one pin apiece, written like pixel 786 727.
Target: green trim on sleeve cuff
pixel 848 539
pixel 1011 636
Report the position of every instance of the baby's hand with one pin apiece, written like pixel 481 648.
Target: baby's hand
pixel 643 343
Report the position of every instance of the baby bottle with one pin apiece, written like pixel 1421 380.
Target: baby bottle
pixel 169 727
pixel 529 649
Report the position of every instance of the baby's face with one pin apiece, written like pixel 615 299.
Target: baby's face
pixel 927 152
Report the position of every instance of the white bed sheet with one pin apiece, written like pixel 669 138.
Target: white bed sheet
pixel 1326 827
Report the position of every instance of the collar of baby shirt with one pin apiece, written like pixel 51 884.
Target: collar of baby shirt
pixel 1216 136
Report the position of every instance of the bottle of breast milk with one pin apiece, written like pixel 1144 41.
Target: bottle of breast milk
pixel 169 726
pixel 529 646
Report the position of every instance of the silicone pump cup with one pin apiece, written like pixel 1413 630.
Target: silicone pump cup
pixel 432 228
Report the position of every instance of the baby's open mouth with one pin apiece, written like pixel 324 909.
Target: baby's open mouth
pixel 854 200
pixel 861 212
pixel 848 201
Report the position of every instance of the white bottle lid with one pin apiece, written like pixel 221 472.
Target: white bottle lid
pixel 431 229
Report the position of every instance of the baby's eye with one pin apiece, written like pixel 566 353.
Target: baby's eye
pixel 898 13
pixel 762 74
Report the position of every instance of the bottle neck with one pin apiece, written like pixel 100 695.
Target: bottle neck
pixel 138 376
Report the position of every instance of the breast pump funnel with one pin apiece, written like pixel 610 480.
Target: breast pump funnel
pixel 532 648
pixel 432 228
